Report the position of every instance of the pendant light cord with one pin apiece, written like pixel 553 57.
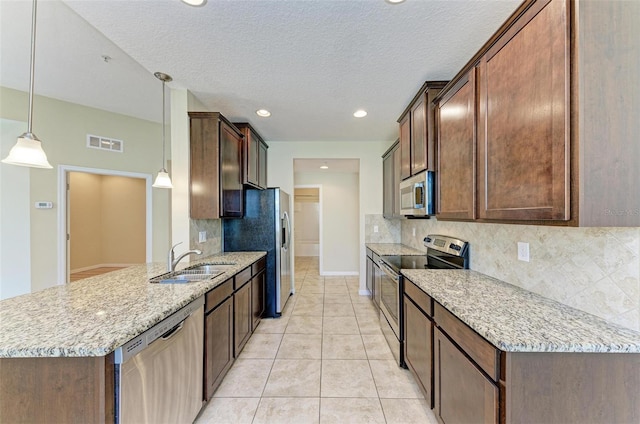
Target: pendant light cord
pixel 33 61
pixel 163 128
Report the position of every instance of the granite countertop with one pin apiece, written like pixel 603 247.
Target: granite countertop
pixel 94 316
pixel 383 249
pixel 517 320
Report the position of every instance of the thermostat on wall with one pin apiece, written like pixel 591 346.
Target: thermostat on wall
pixel 44 205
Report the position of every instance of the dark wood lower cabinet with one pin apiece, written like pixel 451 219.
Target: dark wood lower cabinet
pixel 242 317
pixel 474 382
pixel 257 299
pixel 463 394
pixel 218 346
pixel 418 346
pixel 57 390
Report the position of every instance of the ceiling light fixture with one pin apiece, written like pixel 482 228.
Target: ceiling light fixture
pixel 324 166
pixel 195 3
pixel 360 113
pixel 163 180
pixel 263 113
pixel 28 149
pixel 394 1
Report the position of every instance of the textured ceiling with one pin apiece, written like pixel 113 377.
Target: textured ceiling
pixel 312 63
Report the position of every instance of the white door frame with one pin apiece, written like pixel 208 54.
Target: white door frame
pixel 320 242
pixel 63 254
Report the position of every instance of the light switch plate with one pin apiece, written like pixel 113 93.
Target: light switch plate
pixel 375 228
pixel 414 231
pixel 523 251
pixel 202 236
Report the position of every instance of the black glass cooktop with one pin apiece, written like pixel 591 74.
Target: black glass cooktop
pixel 406 262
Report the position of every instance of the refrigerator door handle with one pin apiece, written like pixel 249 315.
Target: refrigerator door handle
pixel 286 230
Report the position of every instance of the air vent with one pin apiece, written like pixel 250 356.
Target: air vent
pixel 104 143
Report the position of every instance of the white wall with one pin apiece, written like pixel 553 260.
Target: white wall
pixel 280 169
pixel 15 243
pixel 340 219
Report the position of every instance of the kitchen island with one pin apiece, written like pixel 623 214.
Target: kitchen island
pixel 56 345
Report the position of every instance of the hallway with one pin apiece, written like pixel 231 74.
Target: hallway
pixel 324 361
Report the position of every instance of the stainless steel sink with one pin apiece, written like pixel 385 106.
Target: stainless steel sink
pixel 200 272
pixel 209 268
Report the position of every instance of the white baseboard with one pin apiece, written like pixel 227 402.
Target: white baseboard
pixel 88 268
pixel 364 292
pixel 339 273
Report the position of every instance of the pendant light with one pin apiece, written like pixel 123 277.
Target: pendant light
pixel 163 180
pixel 28 149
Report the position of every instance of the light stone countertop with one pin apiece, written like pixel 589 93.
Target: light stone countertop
pixel 517 320
pixel 385 249
pixel 94 316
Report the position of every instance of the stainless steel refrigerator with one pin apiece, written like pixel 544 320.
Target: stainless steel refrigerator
pixel 266 226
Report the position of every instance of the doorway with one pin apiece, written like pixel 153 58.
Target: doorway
pixel 307 221
pixel 106 221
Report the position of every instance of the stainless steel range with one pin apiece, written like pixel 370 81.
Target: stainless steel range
pixel 443 252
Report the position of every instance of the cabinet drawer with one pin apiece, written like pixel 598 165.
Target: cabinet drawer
pixel 421 299
pixel 259 265
pixel 481 351
pixel 243 277
pixel 215 296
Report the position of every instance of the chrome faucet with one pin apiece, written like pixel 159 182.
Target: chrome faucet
pixel 172 262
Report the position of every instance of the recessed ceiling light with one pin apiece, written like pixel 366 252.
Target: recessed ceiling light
pixel 324 167
pixel 394 1
pixel 360 113
pixel 196 3
pixel 263 112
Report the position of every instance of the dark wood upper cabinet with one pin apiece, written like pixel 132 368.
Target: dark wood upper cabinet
pixel 215 187
pixel 523 125
pixel 456 148
pixel 556 126
pixel 254 151
pixel 417 134
pixel 405 146
pixel 391 181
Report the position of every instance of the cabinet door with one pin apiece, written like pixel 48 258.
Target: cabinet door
pixel 218 348
pixel 456 176
pixel 405 147
pixel 419 155
pixel 523 137
pixel 462 393
pixel 203 168
pixel 257 299
pixel 418 346
pixel 387 186
pixel 242 317
pixel 370 277
pixel 230 172
pixel 262 164
pixel 251 161
pixel 396 181
pixel 377 280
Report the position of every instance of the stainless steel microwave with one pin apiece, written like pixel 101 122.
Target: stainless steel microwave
pixel 417 196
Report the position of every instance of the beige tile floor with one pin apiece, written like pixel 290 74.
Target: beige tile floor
pixel 324 361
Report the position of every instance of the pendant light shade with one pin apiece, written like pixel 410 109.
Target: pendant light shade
pixel 28 152
pixel 163 180
pixel 28 149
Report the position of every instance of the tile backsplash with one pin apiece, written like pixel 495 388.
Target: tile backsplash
pixel 213 227
pixel 389 230
pixel 596 270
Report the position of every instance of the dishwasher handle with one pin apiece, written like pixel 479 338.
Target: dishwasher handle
pixel 175 330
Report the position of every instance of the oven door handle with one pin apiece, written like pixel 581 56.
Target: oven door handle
pixel 388 270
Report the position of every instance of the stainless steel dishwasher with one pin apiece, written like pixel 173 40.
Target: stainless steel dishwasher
pixel 159 373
